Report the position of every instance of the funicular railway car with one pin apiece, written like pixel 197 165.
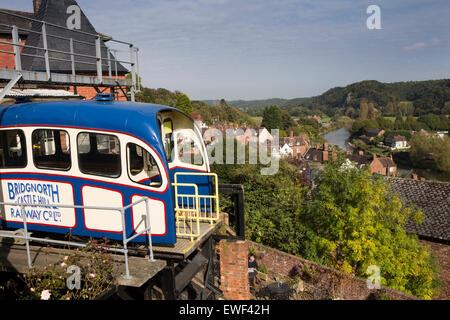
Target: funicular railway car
pixel 105 153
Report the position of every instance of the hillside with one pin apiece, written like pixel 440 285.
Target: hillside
pixel 419 97
pixel 221 110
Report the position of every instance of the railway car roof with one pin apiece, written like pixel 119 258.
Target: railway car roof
pixel 137 119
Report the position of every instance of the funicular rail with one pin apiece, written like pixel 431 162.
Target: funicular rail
pixel 71 57
pixel 191 209
pixel 125 240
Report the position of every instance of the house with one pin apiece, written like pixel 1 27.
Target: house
pixel 299 144
pixel 264 135
pixel 359 159
pixel 396 141
pixel 384 166
pixel 198 119
pixel 320 153
pixel 286 150
pixel 373 133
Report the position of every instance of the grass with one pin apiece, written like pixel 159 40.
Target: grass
pixel 326 119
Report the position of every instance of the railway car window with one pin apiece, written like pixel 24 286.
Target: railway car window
pixel 188 148
pixel 12 149
pixel 142 167
pixel 51 149
pixel 168 138
pixel 99 154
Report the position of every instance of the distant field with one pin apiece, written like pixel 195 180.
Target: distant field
pixel 326 119
pixel 257 118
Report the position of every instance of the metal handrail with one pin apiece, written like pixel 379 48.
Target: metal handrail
pixel 125 240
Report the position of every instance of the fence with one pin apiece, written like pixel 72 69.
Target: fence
pixel 125 240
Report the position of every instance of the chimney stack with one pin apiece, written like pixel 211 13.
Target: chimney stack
pixel 374 156
pixel 415 176
pixel 325 156
pixel 325 146
pixel 291 134
pixel 318 146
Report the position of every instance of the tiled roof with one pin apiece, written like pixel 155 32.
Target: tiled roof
pixel 434 200
pixel 15 21
pixel 387 162
pixel 314 155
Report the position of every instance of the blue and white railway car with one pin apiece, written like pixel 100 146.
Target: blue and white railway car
pixel 102 153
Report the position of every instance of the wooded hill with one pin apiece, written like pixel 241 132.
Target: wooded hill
pixel 411 98
pixel 220 111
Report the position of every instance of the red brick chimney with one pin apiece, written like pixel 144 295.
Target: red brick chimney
pixel 36 5
pixel 325 155
pixel 234 270
pixel 318 146
pixel 325 146
pixel 415 176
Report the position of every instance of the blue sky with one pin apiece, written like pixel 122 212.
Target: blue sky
pixel 257 49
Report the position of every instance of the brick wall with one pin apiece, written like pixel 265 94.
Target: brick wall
pixel 7 60
pixel 234 270
pixel 336 283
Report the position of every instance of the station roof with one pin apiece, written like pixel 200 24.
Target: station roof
pixel 55 12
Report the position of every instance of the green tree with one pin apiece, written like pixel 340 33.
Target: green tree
pixel 272 118
pixel 184 104
pixel 363 110
pixel 358 222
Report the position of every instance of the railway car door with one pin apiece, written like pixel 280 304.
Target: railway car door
pixel 195 189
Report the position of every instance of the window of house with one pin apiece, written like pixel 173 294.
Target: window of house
pixel 142 167
pixel 51 149
pixel 12 149
pixel 99 154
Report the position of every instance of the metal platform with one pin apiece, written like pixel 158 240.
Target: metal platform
pixel 55 55
pixel 184 247
pixel 13 258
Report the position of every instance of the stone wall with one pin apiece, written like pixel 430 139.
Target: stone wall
pixel 337 284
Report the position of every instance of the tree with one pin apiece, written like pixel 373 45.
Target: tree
pixel 272 118
pixel 424 146
pixel 286 119
pixel 357 222
pixel 363 110
pixel 184 104
pixel 371 112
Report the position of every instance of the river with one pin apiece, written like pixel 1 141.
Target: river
pixel 338 138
